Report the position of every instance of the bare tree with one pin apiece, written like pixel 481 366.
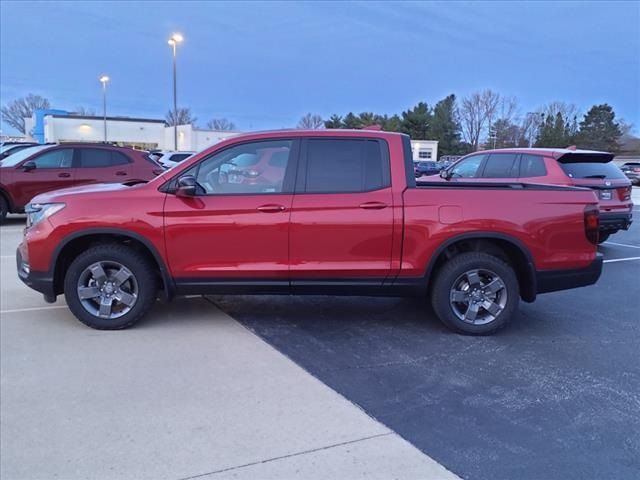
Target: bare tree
pixel 221 124
pixel 567 110
pixel 476 112
pixel 311 122
pixel 14 113
pixel 184 117
pixel 84 112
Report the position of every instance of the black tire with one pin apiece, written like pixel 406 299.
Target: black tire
pixel 603 237
pixel 452 274
pixel 142 273
pixel 4 209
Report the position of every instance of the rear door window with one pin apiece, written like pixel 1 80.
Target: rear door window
pixel 346 166
pixel 532 166
pixel 500 165
pixel 100 157
pixel 592 170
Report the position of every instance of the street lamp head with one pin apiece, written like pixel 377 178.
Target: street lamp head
pixel 177 37
pixel 104 79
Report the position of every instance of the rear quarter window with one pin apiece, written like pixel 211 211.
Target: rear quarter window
pixel 532 166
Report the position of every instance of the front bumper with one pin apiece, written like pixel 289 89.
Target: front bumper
pixel 612 222
pixel 39 281
pixel 554 280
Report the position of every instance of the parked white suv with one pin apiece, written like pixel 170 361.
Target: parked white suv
pixel 168 158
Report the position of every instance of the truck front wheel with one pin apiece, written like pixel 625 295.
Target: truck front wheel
pixel 110 287
pixel 475 293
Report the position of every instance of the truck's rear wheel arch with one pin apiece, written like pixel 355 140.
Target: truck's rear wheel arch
pixel 73 245
pixel 507 248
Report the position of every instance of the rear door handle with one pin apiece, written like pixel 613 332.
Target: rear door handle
pixel 373 205
pixel 64 175
pixel 271 208
pixel 121 173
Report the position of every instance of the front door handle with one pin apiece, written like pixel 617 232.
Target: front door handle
pixel 271 208
pixel 64 175
pixel 373 205
pixel 121 173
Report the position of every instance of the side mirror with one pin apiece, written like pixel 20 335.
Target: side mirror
pixel 28 166
pixel 445 174
pixel 187 186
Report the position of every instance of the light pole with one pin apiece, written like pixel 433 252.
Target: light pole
pixel 103 80
pixel 175 39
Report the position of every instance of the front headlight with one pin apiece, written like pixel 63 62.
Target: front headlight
pixel 36 212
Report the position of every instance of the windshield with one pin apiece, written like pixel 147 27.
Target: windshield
pixel 591 170
pixel 16 158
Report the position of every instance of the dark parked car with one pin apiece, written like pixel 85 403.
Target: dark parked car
pixel 43 168
pixel 557 166
pixel 426 168
pixel 632 171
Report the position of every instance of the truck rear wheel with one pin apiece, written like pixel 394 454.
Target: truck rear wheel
pixel 475 293
pixel 110 287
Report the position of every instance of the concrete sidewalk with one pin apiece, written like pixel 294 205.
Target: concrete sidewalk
pixel 189 393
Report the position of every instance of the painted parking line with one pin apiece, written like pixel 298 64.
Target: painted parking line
pixel 628 259
pixel 621 244
pixel 33 309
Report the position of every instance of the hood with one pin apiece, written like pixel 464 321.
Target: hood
pixel 75 192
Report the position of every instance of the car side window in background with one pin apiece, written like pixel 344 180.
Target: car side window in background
pixel 244 169
pixel 100 157
pixel 178 157
pixel 61 158
pixel 345 166
pixel 532 166
pixel 467 168
pixel 500 165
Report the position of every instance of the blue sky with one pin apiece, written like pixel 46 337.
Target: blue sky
pixel 265 64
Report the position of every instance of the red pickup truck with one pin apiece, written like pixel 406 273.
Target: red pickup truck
pixel 334 212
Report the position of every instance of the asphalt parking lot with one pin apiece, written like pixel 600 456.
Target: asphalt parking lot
pixel 555 395
pixel 384 389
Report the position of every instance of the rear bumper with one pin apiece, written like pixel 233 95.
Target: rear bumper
pixel 612 222
pixel 554 280
pixel 39 281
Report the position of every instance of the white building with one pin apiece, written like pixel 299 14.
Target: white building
pixel 143 133
pixel 424 150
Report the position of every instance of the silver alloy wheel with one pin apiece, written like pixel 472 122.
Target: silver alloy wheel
pixel 107 289
pixel 478 296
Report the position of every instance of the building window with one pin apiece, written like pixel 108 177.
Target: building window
pixel 423 153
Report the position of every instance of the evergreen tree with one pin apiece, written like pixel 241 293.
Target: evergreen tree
pixel 335 121
pixel 417 121
pixel 599 130
pixel 445 127
pixel 351 121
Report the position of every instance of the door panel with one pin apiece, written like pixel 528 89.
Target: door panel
pixel 342 217
pixel 337 236
pixel 237 226
pixel 95 165
pixel 53 171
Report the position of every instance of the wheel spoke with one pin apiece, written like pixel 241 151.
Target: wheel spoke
pixel 98 274
pixel 88 292
pixel 125 298
pixel 121 277
pixel 494 286
pixel 472 312
pixel 473 278
pixel 492 307
pixel 458 296
pixel 105 307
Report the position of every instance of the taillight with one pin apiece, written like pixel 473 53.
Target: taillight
pixel 591 223
pixel 624 193
pixel 636 169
